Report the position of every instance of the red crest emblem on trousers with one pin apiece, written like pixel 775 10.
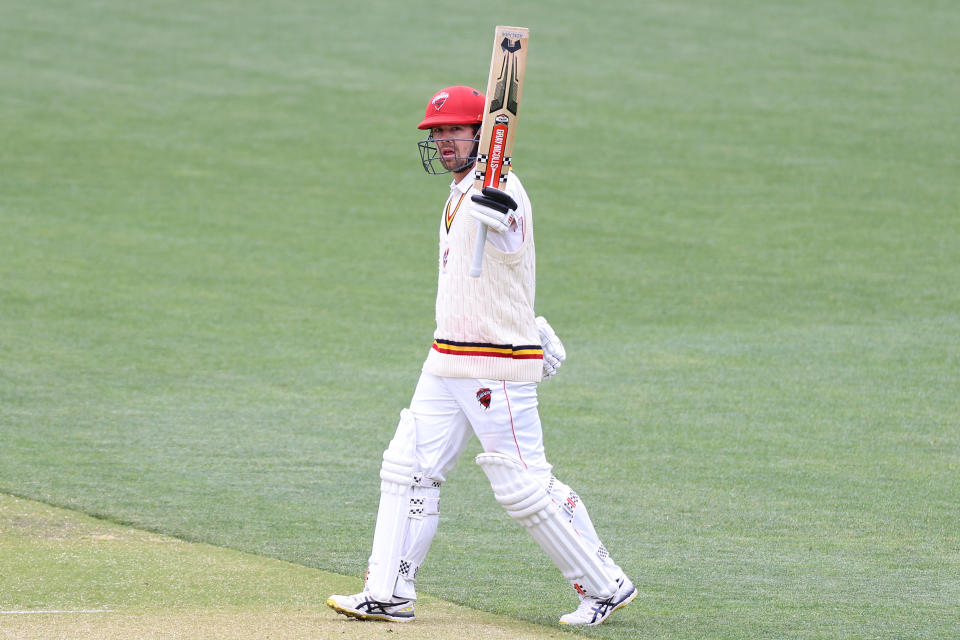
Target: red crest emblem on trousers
pixel 483 397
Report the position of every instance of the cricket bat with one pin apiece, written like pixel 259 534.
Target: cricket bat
pixel 504 85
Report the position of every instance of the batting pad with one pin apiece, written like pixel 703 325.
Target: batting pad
pixel 396 490
pixel 528 502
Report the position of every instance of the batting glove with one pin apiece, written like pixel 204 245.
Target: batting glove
pixel 553 351
pixel 494 208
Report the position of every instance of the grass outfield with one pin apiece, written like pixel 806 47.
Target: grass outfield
pixel 67 575
pixel 217 268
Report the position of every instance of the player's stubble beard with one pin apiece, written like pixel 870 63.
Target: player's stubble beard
pixel 456 163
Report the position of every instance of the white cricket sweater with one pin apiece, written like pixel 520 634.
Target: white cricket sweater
pixel 486 327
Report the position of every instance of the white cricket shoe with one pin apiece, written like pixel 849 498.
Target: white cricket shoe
pixel 362 607
pixel 593 611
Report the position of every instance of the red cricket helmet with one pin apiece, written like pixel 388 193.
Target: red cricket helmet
pixel 454 105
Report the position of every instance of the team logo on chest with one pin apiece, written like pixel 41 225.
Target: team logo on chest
pixel 483 397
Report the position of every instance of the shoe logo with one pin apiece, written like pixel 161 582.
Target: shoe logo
pixel 579 589
pixel 483 397
pixel 602 610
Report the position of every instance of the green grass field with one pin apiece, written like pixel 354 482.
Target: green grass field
pixel 217 270
pixel 73 576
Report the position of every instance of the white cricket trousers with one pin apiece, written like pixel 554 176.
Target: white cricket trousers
pixel 502 414
pixel 505 418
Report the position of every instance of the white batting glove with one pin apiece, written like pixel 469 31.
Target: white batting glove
pixel 494 208
pixel 553 351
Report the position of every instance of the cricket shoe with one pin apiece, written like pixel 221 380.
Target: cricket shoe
pixel 593 611
pixel 362 607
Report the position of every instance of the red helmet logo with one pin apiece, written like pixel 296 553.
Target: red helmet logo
pixel 439 99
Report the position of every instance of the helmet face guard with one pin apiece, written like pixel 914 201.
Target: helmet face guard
pixel 433 162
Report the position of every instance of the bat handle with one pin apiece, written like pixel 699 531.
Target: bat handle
pixel 477 267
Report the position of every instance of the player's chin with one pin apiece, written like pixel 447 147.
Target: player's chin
pixel 451 162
